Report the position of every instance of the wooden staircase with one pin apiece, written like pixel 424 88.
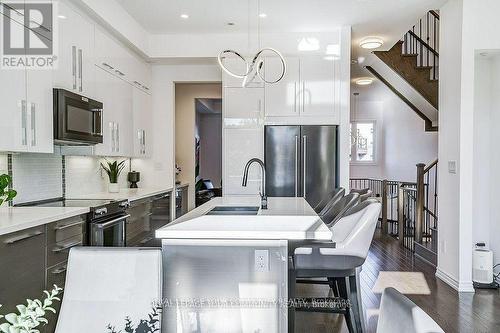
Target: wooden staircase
pixel 419 77
pixel 410 69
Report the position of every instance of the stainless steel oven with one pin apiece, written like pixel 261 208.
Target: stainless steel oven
pixel 109 232
pixel 108 224
pixel 77 119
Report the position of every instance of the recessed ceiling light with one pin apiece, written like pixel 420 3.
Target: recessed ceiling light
pixel 262 15
pixel 61 17
pixel 364 81
pixel 184 16
pixel 371 43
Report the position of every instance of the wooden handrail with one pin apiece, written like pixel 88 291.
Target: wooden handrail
pixel 430 166
pixel 434 13
pixel 420 40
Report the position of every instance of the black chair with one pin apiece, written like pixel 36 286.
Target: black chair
pixel 334 211
pixel 339 262
pixel 333 195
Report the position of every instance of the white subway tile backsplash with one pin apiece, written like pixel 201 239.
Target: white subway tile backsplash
pixel 3 164
pixel 36 177
pixel 84 176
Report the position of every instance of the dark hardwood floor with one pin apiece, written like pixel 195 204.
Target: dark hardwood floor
pixel 479 312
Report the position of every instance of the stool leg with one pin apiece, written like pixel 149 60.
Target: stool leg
pixel 291 296
pixel 356 305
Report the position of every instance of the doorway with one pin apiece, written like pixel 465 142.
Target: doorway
pixel 198 139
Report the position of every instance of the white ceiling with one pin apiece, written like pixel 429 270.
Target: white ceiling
pixel 387 19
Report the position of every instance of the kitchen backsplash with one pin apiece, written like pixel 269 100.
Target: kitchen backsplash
pixel 3 164
pixel 41 176
pixel 36 177
pixel 84 176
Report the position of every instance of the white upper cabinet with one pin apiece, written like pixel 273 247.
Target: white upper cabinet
pixel 283 97
pixel 26 97
pixel 40 110
pixel 14 114
pixel 116 96
pixel 309 89
pixel 243 107
pixel 75 66
pixel 143 123
pixel 120 62
pixel 237 66
pixel 317 76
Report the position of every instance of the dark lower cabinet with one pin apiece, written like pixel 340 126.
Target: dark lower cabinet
pixel 33 260
pixel 146 216
pixel 22 260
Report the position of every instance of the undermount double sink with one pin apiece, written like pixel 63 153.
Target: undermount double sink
pixel 234 210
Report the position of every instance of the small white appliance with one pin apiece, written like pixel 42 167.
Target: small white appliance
pixel 482 265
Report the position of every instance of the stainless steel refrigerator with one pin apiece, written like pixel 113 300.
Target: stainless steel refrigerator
pixel 301 161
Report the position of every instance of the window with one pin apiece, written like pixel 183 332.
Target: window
pixel 363 138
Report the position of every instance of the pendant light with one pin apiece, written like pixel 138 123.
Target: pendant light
pixel 253 69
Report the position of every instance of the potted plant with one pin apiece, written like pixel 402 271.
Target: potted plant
pixel 5 193
pixel 113 169
pixel 32 315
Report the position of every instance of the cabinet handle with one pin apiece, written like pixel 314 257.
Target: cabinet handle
pixel 33 124
pixel 138 83
pixel 296 164
pixel 145 88
pixel 24 123
pixel 304 96
pixel 22 237
pixel 304 156
pixel 145 240
pixel 73 64
pixel 59 270
pixel 144 142
pixel 119 72
pixel 112 127
pixel 66 247
pixel 69 225
pixel 107 65
pixel 295 97
pixel 80 68
pixel 117 137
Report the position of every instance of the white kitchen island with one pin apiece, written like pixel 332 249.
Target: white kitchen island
pixel 229 273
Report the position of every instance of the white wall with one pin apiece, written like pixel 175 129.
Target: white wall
pixel 401 141
pixel 450 76
pixel 467 28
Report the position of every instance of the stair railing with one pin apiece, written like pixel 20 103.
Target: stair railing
pixel 409 210
pixel 427 201
pixel 423 40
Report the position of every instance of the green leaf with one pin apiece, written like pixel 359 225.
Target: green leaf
pixel 21 308
pixel 4 182
pixel 4 327
pixel 11 318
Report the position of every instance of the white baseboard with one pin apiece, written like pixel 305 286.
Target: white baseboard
pixel 460 286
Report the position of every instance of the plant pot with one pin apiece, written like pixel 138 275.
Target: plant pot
pixel 113 188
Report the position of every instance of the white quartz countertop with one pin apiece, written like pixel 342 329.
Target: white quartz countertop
pixel 131 194
pixel 14 219
pixel 285 218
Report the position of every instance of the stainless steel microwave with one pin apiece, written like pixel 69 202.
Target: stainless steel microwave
pixel 77 119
